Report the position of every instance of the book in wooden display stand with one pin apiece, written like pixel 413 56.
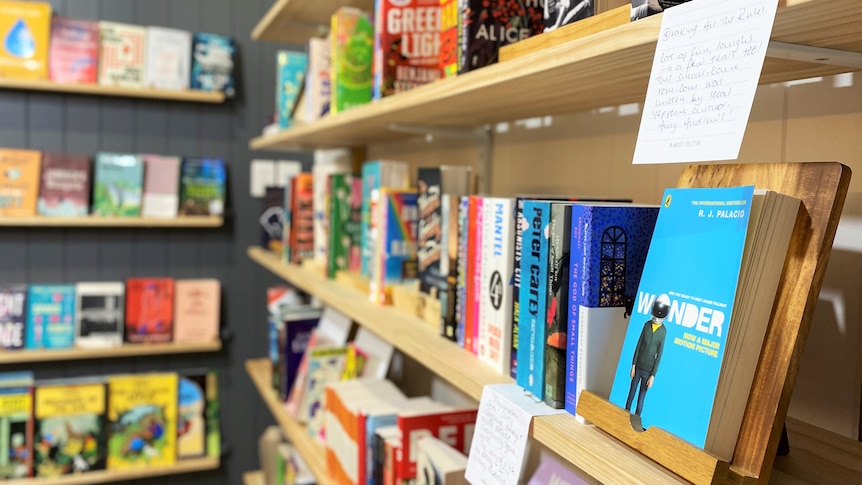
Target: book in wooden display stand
pixel 822 188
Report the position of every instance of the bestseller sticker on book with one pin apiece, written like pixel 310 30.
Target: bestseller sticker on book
pixel 704 76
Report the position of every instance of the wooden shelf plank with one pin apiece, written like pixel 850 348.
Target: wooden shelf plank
pixel 295 21
pixel 407 333
pixel 93 221
pixel 108 476
pixel 253 478
pixel 260 371
pixel 604 69
pixel 127 350
pixel 191 96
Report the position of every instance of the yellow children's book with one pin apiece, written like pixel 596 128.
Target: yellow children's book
pixel 19 182
pixel 142 420
pixel 24 32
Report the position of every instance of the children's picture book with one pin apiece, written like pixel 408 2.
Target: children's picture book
pixel 487 26
pixel 345 215
pixel 202 187
pixel 16 424
pixel 51 317
pixel 406 52
pixel 301 218
pixel 352 38
pixel 325 365
pixel 534 226
pixel 449 55
pixel 19 182
pixel 563 12
pixel 118 180
pixel 395 253
pixel 608 244
pixel 377 174
pixel 213 60
pixel 142 420
pixel 558 294
pixel 197 310
pixel 495 321
pixel 198 428
pixel 291 68
pixel 70 434
pixel 99 311
pixel 73 56
pixel 149 310
pixel 317 80
pixel 168 58
pixel 674 346
pixel 122 56
pixel 24 30
pixel 161 186
pixel 271 219
pixel 64 188
pixel 13 316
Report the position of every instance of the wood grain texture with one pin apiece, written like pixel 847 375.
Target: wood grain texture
pixel 260 371
pixel 178 222
pixel 608 68
pixel 818 456
pixel 128 350
pixel 97 90
pixel 577 30
pixel 295 21
pixel 123 476
pixel 253 478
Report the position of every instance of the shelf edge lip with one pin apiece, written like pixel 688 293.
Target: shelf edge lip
pixel 187 95
pixel 191 465
pixel 127 350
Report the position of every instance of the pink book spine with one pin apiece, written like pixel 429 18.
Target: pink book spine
pixel 477 276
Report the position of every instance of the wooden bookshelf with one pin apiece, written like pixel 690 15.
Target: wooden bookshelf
pixel 109 476
pixel 604 69
pixel 94 221
pixel 260 371
pixel 253 478
pixel 295 21
pixel 126 350
pixel 191 96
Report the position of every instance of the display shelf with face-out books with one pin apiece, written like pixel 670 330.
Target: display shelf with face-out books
pixel 295 21
pixel 127 350
pixel 260 372
pixel 103 222
pixel 608 68
pixel 124 476
pixel 188 95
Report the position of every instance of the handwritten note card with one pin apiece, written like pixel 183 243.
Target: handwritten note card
pixel 500 438
pixel 704 75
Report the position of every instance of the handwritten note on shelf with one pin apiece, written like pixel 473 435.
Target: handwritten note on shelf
pixel 704 76
pixel 500 437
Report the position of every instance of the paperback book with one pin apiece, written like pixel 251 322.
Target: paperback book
pixel 455 428
pixel 487 26
pixel 294 335
pixel 345 214
pixel 291 68
pixel 301 218
pixel 51 317
pixel 13 316
pixel 213 59
pixel 450 28
pixel 563 12
pixel 202 187
pixel 377 174
pixel 19 182
pixel 326 163
pixel 271 219
pixel 161 186
pixel 352 35
pixel 70 434
pixel 142 420
pixel 64 189
pixel 495 323
pixel 122 54
pixel 149 310
pixel 24 28
pixel 558 294
pixel 99 314
pixel 395 253
pixel 317 80
pixel 73 56
pixel 198 408
pixel 168 57
pixel 197 308
pixel 118 181
pixel 16 424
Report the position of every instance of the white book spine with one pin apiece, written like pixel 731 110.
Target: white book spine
pixel 495 317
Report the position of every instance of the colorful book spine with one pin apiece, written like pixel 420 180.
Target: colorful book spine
pixel 302 218
pixel 326 163
pixel 533 298
pixel 462 282
pixel 271 220
pixel 495 324
pixel 521 226
pixel 475 296
pixel 51 317
pixel 487 26
pixel 19 182
pixel 345 213
pixel 377 174
pixel 213 59
pixel 395 260
pixel 317 82
pixel 13 316
pixel 352 52
pixel 406 45
pixel 122 57
pixel 25 28
pixel 74 52
pixel 430 231
pixel 449 55
pixel 558 304
pixel 291 68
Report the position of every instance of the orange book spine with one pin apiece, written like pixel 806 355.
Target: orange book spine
pixel 341 441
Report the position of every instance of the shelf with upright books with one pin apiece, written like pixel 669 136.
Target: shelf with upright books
pixel 93 221
pixel 253 478
pixel 604 69
pixel 127 350
pixel 295 21
pixel 191 96
pixel 260 371
pixel 124 476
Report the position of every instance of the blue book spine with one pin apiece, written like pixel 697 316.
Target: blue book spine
pixel 577 255
pixel 51 317
pixel 532 298
pixel 372 424
pixel 291 77
pixel 516 281
pixel 370 184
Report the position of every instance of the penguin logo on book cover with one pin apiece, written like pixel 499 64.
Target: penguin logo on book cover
pixel 496 290
pixel 667 200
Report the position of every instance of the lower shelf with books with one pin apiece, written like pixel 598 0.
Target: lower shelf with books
pixel 109 476
pixel 253 478
pixel 260 371
pixel 127 350
pixel 94 221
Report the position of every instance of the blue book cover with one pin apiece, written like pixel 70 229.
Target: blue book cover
pixel 118 180
pixel 291 78
pixel 674 345
pixel 13 316
pixel 394 261
pixel 608 244
pixel 372 424
pixel 202 187
pixel 213 58
pixel 51 317
pixel 375 175
pixel 532 299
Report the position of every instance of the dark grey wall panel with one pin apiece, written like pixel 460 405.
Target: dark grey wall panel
pixel 83 124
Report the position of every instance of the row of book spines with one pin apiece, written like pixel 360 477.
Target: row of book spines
pixel 159 310
pixel 108 400
pixel 120 185
pixel 68 50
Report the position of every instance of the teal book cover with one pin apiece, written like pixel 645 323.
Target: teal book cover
pixel 51 317
pixel 292 67
pixel 394 262
pixel 202 187
pixel 672 354
pixel 118 182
